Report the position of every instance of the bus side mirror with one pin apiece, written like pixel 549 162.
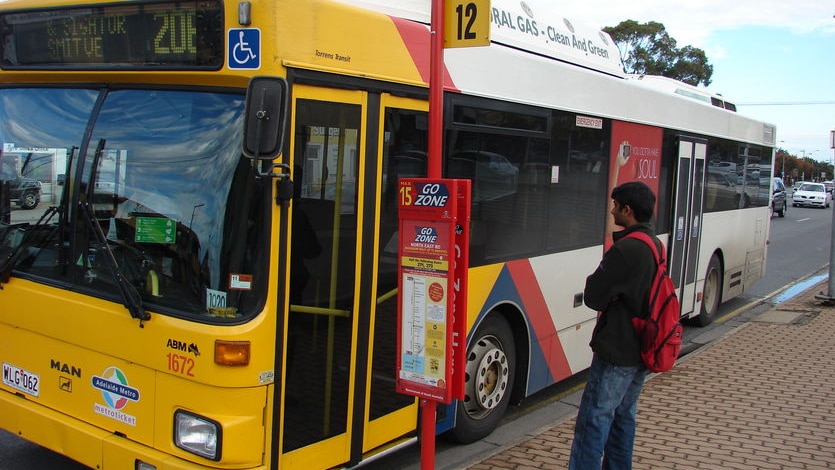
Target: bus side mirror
pixel 265 115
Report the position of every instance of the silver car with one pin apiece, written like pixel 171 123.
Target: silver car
pixel 811 194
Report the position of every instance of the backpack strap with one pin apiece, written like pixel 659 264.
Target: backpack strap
pixel 650 241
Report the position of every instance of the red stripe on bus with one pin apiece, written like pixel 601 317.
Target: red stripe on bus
pixel 534 304
pixel 416 38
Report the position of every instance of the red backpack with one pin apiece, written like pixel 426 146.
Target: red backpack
pixel 660 332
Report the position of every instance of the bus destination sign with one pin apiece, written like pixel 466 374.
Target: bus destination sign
pixel 175 35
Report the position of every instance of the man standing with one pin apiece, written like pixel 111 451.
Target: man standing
pixel 604 433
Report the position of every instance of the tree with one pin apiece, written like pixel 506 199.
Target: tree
pixel 800 168
pixel 648 49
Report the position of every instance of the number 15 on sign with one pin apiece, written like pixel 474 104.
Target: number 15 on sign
pixel 466 23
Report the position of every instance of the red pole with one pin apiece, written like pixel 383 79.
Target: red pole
pixel 436 90
pixel 428 409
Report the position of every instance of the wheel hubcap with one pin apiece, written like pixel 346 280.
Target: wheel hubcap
pixel 711 289
pixel 487 377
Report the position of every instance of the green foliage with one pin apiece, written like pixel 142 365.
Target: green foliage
pixel 800 168
pixel 646 48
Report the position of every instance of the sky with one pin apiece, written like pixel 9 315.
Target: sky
pixel 774 58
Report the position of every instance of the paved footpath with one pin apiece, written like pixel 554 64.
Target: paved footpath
pixel 761 397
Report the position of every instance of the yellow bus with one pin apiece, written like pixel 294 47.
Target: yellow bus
pixel 207 276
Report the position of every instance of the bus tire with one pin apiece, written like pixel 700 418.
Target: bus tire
pixel 711 294
pixel 490 369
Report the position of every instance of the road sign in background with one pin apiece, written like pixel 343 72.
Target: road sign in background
pixel 466 23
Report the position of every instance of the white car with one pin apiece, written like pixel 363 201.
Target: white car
pixel 811 194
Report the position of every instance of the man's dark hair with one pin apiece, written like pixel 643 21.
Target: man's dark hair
pixel 638 196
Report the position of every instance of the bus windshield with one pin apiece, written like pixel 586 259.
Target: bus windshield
pixel 158 173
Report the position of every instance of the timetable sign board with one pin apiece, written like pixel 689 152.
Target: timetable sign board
pixel 434 224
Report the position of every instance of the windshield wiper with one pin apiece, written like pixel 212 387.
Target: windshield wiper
pixel 131 298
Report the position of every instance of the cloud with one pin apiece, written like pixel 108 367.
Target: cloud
pixel 691 23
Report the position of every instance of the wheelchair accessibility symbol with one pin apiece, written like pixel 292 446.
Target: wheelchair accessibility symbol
pixel 244 48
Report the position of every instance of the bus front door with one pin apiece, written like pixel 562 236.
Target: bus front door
pixel 327 145
pixel 687 227
pixel 338 399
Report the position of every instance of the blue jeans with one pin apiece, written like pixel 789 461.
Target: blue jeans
pixel 605 430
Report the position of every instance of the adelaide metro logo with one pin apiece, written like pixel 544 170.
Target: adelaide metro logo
pixel 116 393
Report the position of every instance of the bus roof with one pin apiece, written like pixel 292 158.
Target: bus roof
pixel 529 25
pixel 670 85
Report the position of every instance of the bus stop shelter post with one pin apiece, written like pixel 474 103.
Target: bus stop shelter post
pixel 828 297
pixel 831 284
pixel 832 240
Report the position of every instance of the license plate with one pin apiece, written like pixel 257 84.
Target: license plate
pixel 21 379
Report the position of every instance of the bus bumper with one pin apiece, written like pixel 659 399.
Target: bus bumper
pixel 89 445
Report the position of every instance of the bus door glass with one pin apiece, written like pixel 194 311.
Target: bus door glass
pixel 402 147
pixel 687 223
pixel 327 144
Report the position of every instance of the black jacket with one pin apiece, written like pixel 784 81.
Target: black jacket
pixel 619 288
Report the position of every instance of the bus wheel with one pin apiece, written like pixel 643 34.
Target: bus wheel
pixel 712 293
pixel 491 365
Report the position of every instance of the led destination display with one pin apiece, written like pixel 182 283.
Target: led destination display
pixel 172 35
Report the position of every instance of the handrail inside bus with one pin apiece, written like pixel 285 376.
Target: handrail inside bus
pixel 387 296
pixel 331 312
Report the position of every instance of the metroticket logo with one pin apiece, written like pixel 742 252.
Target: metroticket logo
pixel 117 393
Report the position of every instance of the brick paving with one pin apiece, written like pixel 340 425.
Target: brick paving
pixel 761 397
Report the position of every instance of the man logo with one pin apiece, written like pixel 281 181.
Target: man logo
pixel 65 368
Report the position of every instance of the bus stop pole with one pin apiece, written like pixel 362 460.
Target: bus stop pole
pixel 428 408
pixel 828 297
pixel 831 284
pixel 832 239
pixel 436 90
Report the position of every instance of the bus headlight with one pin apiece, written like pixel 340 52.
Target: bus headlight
pixel 197 435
